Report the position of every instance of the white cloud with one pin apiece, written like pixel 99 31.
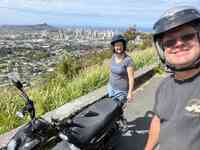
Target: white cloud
pixel 98 10
pixel 181 2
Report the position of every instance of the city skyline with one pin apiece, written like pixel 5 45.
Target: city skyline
pixel 86 12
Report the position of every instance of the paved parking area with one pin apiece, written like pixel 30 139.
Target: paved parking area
pixel 143 101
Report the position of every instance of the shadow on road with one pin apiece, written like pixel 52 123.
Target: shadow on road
pixel 132 138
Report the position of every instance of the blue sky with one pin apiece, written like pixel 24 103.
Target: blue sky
pixel 114 13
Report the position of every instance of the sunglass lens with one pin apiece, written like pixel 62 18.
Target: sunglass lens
pixel 184 38
pixel 169 43
pixel 188 37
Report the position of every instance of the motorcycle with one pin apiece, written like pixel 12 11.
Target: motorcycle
pixel 93 128
pixel 36 134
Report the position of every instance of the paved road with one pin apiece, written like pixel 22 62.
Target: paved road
pixel 143 98
pixel 143 101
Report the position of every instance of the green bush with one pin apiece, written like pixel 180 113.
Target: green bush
pixel 144 57
pixel 69 66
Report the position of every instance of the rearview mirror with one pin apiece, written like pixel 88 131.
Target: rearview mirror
pixel 14 77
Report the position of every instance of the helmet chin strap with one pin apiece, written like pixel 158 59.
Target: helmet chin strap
pixel 196 64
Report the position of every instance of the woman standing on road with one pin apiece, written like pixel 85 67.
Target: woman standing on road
pixel 121 82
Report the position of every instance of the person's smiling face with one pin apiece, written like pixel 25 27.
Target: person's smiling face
pixel 119 47
pixel 181 46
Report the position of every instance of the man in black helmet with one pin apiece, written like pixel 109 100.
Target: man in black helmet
pixel 176 124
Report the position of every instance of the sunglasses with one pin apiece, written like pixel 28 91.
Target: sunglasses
pixel 184 38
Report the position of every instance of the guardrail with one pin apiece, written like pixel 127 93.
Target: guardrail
pixel 73 107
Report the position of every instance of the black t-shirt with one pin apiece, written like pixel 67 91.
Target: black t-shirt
pixel 178 106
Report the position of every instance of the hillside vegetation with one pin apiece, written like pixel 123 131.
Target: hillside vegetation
pixel 72 78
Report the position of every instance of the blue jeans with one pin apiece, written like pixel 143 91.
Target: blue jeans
pixel 117 95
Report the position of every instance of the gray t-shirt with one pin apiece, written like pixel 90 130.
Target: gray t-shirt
pixel 118 73
pixel 178 106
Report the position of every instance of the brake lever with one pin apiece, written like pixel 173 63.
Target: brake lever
pixel 21 114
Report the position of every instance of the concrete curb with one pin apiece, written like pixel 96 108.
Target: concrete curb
pixel 73 107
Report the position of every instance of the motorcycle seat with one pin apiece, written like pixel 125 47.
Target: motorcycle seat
pixel 92 120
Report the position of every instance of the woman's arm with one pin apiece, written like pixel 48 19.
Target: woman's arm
pixel 153 133
pixel 130 71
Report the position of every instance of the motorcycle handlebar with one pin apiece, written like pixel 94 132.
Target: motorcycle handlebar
pixel 29 108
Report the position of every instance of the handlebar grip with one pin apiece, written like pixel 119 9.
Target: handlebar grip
pixel 21 113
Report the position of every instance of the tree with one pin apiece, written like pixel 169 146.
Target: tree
pixel 131 33
pixel 146 39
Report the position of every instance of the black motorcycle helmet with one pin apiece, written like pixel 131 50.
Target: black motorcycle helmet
pixel 118 38
pixel 172 18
